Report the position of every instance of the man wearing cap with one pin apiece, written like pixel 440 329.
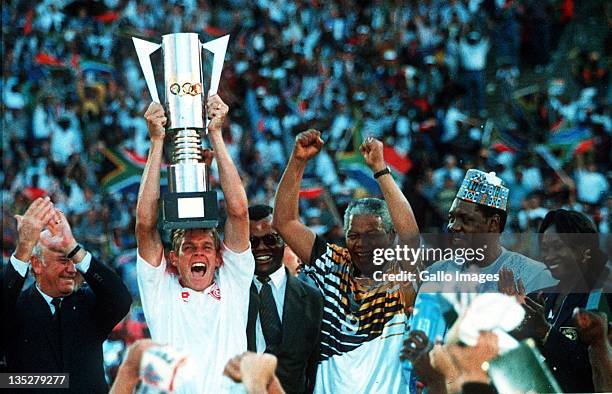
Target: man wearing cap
pixel 476 219
pixel 284 313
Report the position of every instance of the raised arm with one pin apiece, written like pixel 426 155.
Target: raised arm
pixel 236 235
pixel 286 218
pixel 399 208
pixel 113 299
pixel 149 242
pixel 29 226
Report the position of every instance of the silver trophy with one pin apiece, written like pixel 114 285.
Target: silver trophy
pixel 189 202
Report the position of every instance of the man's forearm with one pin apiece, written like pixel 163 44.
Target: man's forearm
pixel 24 249
pixel 286 203
pixel 401 213
pixel 148 195
pixel 231 184
pixel 125 382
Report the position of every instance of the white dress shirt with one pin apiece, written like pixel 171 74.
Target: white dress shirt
pixel 22 269
pixel 278 283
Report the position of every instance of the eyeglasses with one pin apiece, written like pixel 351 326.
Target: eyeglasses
pixel 270 240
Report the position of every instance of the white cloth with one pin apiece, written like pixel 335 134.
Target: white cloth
pixel 278 283
pixel 209 325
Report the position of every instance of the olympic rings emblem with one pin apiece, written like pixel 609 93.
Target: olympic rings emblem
pixel 186 88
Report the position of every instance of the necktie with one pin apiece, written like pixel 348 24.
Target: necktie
pixel 268 314
pixel 57 303
pixel 57 320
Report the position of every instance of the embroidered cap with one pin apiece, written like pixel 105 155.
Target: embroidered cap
pixel 484 189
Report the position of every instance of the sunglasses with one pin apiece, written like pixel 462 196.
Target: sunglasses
pixel 269 240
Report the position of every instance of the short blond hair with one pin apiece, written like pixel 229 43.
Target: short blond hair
pixel 178 234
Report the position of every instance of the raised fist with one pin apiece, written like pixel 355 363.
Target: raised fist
pixel 216 111
pixel 307 144
pixel 372 151
pixel 156 121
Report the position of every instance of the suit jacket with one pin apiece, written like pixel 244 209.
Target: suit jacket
pixel 298 352
pixel 87 317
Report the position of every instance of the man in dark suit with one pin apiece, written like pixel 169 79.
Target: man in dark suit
pixel 284 313
pixel 55 325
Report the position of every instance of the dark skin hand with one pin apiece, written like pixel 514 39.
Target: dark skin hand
pixel 592 327
pixel 416 350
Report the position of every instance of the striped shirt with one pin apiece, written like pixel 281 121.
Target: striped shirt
pixel 362 327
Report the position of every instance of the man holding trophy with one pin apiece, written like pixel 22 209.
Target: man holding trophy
pixel 197 299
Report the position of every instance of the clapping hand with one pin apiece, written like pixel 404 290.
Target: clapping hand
pixel 30 225
pixel 508 286
pixel 58 234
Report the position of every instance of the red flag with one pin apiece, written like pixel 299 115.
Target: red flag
pixel 499 148
pixel 214 31
pixel 107 17
pixel 48 60
pixel 400 163
pixel 310 193
pixel 27 28
pixel 584 146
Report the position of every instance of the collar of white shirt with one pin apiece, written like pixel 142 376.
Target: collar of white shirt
pixel 277 278
pixel 47 298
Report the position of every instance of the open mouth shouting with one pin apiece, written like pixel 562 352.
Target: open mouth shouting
pixel 198 270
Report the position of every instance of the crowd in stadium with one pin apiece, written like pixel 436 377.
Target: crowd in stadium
pixel 446 86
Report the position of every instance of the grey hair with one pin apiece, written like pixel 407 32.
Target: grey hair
pixel 368 206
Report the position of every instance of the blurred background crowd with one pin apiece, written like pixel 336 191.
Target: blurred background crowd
pixel 519 87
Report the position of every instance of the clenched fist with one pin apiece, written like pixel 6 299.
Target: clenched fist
pixel 372 151
pixel 216 110
pixel 307 145
pixel 156 121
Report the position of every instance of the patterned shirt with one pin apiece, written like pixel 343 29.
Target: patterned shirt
pixel 362 327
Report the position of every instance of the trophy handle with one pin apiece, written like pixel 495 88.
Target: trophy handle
pixel 144 49
pixel 218 48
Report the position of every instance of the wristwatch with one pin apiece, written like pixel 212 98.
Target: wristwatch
pixel 74 251
pixel 380 173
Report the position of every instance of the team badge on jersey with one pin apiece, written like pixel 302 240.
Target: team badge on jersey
pixel 215 292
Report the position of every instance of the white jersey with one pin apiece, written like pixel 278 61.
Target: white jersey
pixel 209 325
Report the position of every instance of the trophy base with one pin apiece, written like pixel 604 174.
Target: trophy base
pixel 190 210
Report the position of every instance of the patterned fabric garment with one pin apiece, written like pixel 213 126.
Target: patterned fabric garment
pixel 362 327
